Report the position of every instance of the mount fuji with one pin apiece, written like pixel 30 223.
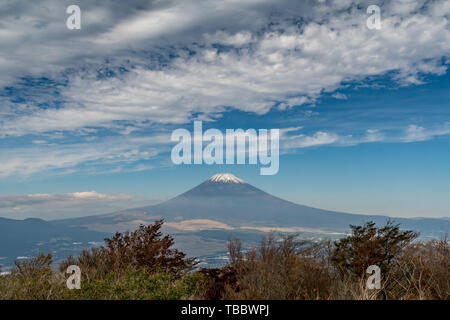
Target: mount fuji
pixel 229 203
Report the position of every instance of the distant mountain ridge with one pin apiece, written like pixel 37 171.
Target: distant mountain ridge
pixel 18 236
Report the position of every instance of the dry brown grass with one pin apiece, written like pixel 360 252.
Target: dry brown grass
pixel 282 268
pixel 285 268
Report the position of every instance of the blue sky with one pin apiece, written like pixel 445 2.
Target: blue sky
pixel 86 115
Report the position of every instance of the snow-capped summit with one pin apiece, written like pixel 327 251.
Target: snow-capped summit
pixel 225 178
pixel 222 185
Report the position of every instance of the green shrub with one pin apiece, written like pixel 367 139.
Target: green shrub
pixel 369 245
pixel 138 285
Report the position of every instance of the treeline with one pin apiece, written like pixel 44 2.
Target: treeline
pixel 144 265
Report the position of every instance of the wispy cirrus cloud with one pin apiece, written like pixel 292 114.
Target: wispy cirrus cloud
pixel 140 153
pixel 18 202
pixel 99 155
pixel 59 206
pixel 415 133
pixel 292 138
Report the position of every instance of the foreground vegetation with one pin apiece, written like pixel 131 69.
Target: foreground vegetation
pixel 143 265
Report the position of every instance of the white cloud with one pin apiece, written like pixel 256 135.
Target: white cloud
pixel 283 63
pixel 237 40
pixel 296 141
pixel 59 206
pixel 19 202
pixel 119 152
pixel 414 133
pixel 374 135
pixel 340 96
